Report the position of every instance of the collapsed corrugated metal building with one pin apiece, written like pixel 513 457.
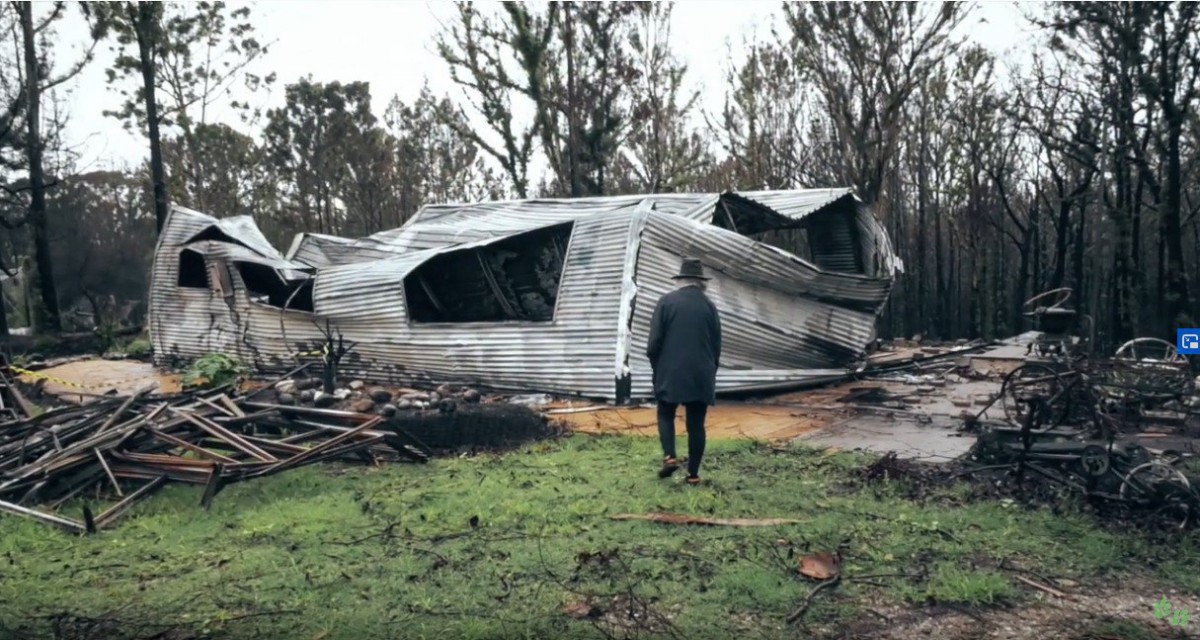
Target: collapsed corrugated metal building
pixel 536 295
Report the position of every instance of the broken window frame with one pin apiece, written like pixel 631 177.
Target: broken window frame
pixel 190 271
pixel 219 278
pixel 416 287
pixel 290 289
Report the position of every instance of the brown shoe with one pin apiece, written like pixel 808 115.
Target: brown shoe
pixel 670 466
pixel 693 480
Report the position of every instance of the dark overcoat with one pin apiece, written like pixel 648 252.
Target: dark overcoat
pixel 684 347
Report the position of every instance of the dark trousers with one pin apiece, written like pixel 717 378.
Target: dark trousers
pixel 696 412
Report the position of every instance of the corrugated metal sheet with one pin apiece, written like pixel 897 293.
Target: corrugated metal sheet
pixel 786 320
pixel 781 317
pixel 572 354
pixel 233 252
pixel 188 323
pixel 798 204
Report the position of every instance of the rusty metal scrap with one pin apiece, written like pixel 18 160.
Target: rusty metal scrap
pixel 126 448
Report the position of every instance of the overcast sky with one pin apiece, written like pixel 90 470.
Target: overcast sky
pixel 390 45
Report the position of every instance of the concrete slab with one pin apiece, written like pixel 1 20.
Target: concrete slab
pixel 937 441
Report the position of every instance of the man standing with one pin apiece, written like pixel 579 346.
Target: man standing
pixel 684 349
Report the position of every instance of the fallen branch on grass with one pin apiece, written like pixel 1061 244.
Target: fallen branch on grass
pixel 1045 588
pixel 674 518
pixel 803 608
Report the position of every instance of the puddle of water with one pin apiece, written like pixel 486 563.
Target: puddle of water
pixel 100 376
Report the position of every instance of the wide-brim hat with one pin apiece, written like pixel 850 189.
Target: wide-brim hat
pixel 691 268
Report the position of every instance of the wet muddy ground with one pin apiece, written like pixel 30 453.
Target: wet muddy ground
pixel 79 381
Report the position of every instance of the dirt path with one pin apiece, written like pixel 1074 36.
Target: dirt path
pixel 1091 614
pixel 725 421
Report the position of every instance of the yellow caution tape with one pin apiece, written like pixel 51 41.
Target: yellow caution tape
pixel 106 385
pixel 41 376
pixel 323 351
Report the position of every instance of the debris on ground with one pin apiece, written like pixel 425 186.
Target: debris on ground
pixel 822 565
pixel 127 447
pixel 1120 431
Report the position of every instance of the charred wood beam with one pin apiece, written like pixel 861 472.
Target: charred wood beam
pixel 729 216
pixel 58 521
pixel 119 509
pixel 433 299
pixel 496 291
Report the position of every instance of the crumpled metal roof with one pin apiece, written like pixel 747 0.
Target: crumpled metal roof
pixel 448 224
pixel 238 253
pixel 797 204
pixel 241 228
pixel 787 320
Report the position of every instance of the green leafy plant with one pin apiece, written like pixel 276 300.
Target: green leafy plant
pixel 139 348
pixel 106 333
pixel 214 370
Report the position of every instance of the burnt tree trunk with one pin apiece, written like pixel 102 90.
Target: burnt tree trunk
pixel 48 318
pixel 144 17
pixel 1178 298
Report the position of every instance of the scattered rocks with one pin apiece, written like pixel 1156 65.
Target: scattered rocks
pixel 341 394
pixel 388 410
pixel 434 398
pixel 308 383
pixel 286 386
pixel 356 385
pixel 447 405
pixel 324 400
pixel 472 396
pixel 366 405
pixel 404 404
pixel 415 396
pixel 286 399
pixel 445 390
pixel 307 396
pixel 380 395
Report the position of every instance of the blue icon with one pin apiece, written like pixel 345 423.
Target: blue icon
pixel 1188 341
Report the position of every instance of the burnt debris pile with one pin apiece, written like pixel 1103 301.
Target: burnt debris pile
pixel 1122 431
pixel 118 450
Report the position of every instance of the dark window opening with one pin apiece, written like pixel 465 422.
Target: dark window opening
pixel 514 279
pixel 794 240
pixel 267 286
pixel 834 242
pixel 192 272
pixel 828 238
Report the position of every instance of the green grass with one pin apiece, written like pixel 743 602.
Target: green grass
pixel 355 552
pixel 1117 630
